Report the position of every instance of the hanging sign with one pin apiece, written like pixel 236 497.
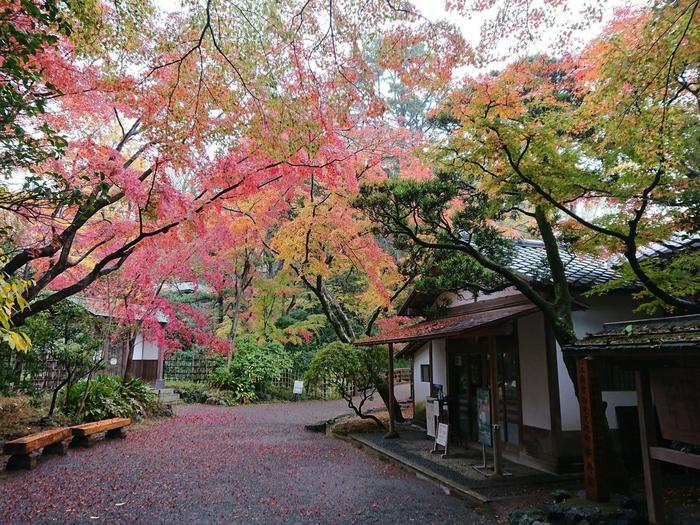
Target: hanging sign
pixel 298 387
pixel 483 411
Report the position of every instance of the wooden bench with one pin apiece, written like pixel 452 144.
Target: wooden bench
pixel 114 428
pixel 20 450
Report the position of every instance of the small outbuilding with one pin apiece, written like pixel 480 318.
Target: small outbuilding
pixel 665 357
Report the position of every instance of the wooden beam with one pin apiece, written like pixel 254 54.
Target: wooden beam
pixel 392 419
pixel 668 455
pixel 27 444
pixel 647 430
pixel 593 430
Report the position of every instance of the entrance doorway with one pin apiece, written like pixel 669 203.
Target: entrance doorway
pixel 469 362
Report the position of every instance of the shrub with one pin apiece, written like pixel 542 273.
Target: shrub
pixel 240 388
pixel 258 364
pixel 345 365
pixel 109 396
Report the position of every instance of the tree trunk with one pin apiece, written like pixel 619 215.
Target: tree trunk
pixel 131 343
pixel 383 389
pixel 54 397
pixel 232 337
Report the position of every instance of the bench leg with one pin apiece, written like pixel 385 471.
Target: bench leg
pixel 80 442
pixel 21 462
pixel 116 433
pixel 58 449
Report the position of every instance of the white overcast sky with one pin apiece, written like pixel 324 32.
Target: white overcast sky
pixel 470 26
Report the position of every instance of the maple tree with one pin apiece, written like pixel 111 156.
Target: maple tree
pixel 194 111
pixel 548 146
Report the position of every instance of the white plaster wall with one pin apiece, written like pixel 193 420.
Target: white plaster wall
pixel 606 309
pixel 144 349
pixel 421 390
pixel 534 385
pixel 440 364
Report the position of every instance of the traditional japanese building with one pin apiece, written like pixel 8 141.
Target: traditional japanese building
pixel 500 342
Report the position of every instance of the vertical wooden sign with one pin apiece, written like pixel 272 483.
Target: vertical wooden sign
pixel 593 430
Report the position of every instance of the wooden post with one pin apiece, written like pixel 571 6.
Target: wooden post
pixel 495 425
pixel 430 368
pixel 392 421
pixel 647 430
pixel 593 435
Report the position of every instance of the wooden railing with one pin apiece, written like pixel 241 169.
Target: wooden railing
pixel 402 375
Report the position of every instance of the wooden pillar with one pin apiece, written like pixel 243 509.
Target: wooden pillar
pixel 495 424
pixel 412 379
pixel 392 419
pixel 430 368
pixel 647 428
pixel 593 430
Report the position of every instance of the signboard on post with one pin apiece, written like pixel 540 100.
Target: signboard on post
pixel 298 388
pixel 442 432
pixel 483 421
pixel 677 399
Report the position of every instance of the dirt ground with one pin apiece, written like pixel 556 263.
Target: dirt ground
pixel 248 464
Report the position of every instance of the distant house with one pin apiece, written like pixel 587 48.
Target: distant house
pixel 500 343
pixel 147 358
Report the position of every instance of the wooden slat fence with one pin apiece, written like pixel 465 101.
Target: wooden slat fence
pixel 189 366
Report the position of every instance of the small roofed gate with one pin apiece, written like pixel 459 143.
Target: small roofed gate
pixel 665 356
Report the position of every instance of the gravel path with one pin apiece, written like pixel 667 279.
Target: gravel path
pixel 252 464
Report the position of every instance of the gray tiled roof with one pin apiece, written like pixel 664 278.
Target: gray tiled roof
pixel 677 242
pixel 530 260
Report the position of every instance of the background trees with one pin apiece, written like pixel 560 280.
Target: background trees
pixel 543 147
pixel 225 144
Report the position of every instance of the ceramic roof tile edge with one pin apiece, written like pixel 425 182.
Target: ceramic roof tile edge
pixel 448 326
pixel 678 333
pixel 99 309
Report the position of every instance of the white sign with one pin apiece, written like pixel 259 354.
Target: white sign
pixel 298 387
pixel 441 438
pixel 113 361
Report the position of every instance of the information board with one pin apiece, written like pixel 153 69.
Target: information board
pixel 442 432
pixel 298 387
pixel 483 421
pixel 677 398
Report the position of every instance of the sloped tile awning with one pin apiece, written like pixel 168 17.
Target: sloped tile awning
pixel 449 326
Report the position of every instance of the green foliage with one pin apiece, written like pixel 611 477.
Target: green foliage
pixel 258 364
pixel 66 333
pixel 677 275
pixel 240 388
pixel 436 249
pixel 23 94
pixel 343 364
pixel 108 396
pixel 12 300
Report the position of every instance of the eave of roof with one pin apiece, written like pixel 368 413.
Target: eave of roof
pixel 646 338
pixel 448 326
